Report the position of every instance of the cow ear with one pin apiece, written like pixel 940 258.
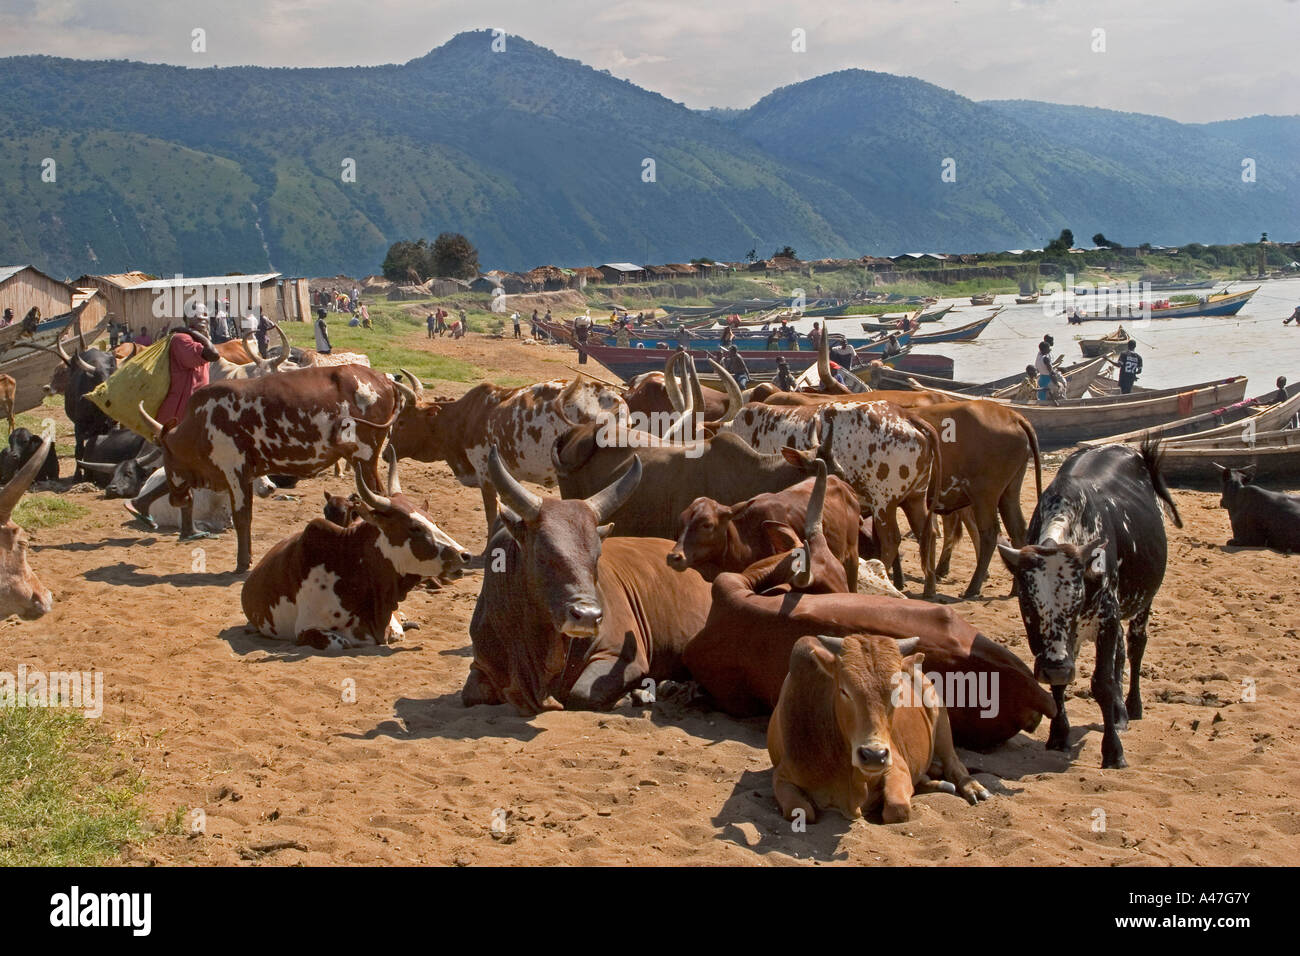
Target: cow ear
pixel 1248 474
pixel 810 657
pixel 605 530
pixel 796 457
pixel 913 663
pixel 515 526
pixel 780 536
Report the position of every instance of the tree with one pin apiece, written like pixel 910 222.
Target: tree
pixel 752 255
pixel 405 257
pixel 455 256
pixel 1062 243
pixel 784 253
pixel 1100 240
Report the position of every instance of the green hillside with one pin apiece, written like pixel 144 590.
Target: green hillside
pixel 539 159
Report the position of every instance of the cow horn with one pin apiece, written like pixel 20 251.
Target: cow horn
pixel 512 494
pixel 908 645
pixel 812 527
pixel 103 467
pixel 1220 468
pixel 824 377
pixel 18 485
pixel 82 363
pixel 693 379
pixel 415 382
pixel 833 644
pixel 735 400
pixel 149 457
pixel 284 347
pixel 253 350
pixel 154 425
pixel 58 344
pixel 569 393
pixel 610 498
pixel 394 485
pixel 405 391
pixel 670 384
pixel 372 500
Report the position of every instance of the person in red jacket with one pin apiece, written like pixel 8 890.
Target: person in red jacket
pixel 188 355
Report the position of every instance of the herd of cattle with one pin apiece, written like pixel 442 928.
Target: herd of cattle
pixel 746 552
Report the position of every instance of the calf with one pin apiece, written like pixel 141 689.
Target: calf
pixel 211 509
pixel 1260 518
pixel 1096 558
pixel 717 537
pixel 857 726
pixel 23 445
pixel 334 588
pixel 566 621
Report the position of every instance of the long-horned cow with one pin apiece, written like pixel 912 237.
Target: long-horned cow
pixel 293 423
pixel 569 617
pixel 522 423
pixel 336 587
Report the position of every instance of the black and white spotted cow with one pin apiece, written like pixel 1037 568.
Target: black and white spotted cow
pixel 1095 558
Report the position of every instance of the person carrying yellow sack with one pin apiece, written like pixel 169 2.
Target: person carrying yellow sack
pixel 188 351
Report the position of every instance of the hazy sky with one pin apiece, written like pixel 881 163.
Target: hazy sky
pixel 1192 60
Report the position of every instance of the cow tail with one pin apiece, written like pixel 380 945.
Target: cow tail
pixel 1030 434
pixel 1153 454
pixel 932 489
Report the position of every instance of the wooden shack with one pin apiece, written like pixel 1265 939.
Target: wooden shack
pixel 22 287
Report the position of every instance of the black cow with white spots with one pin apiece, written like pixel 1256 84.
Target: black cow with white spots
pixel 1096 557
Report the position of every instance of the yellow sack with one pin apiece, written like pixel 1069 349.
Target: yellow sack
pixel 147 378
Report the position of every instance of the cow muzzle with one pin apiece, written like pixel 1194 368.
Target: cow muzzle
pixel 41 603
pixel 872 757
pixel 582 620
pixel 1055 672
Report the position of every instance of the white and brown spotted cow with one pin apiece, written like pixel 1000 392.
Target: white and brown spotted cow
pixel 292 423
pixel 336 587
pixel 523 423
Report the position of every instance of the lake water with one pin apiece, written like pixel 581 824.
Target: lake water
pixel 1175 352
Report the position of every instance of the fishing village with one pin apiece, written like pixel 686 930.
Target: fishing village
pixel 374 491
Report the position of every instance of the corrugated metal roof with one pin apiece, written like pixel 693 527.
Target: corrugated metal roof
pixel 623 266
pixel 189 281
pixel 123 280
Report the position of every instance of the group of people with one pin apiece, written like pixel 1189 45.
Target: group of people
pixel 1044 379
pixel 437 325
pixel 337 301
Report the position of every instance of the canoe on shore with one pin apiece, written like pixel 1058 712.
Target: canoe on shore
pixel 1222 304
pixel 32 369
pixel 963 333
pixel 1074 420
pixel 1263 413
pixel 1274 455
pixel 1078 378
pixel 1106 345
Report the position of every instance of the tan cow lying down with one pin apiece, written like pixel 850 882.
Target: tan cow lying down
pixel 857 726
pixel 310 357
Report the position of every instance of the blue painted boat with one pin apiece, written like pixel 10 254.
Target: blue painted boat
pixel 1213 305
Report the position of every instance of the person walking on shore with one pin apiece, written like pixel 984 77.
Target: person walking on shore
pixel 322 334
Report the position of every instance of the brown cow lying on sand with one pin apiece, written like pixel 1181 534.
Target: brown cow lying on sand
pixel 717 537
pixel 741 656
pixel 857 726
pixel 569 617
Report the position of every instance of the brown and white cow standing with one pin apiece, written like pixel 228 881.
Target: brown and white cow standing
pixel 522 423
pixel 857 726
pixel 292 423
pixel 336 587
pixel 21 591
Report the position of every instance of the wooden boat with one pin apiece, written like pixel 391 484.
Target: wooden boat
pixel 1027 299
pixel 1106 345
pixel 1078 377
pixel 1074 420
pixel 32 368
pixel 1263 413
pixel 1220 304
pixel 964 333
pixel 1275 456
pixel 984 298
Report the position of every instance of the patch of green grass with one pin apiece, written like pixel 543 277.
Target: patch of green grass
pixel 62 801
pixel 389 347
pixel 47 511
